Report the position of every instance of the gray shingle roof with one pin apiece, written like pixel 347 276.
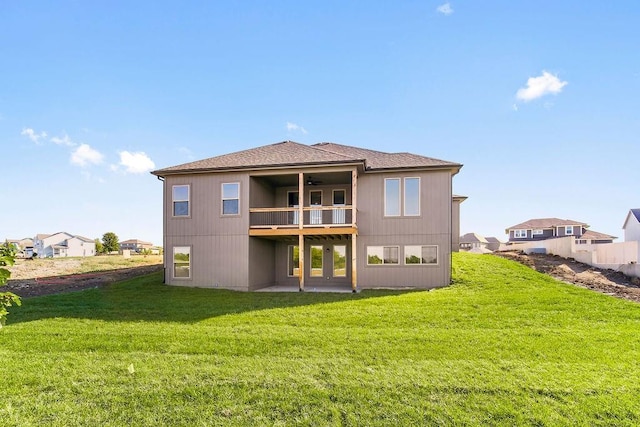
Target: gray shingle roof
pixel 289 153
pixel 636 213
pixel 545 223
pixel 381 160
pixel 472 238
pixel 594 235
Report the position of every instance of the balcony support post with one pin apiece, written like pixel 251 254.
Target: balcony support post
pixel 354 264
pixel 301 262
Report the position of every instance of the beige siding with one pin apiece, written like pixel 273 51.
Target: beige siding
pixel 432 227
pixel 455 226
pixel 261 263
pixel 220 246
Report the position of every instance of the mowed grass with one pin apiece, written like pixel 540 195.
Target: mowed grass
pixel 503 345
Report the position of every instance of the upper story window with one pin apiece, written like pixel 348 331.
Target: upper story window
pixel 392 197
pixel 568 230
pixel 538 232
pixel 231 198
pixel 180 197
pixel 402 197
pixel 519 234
pixel 412 196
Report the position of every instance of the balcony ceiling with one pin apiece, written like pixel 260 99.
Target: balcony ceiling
pixel 319 179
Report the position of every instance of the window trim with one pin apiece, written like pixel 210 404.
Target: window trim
pixel 386 213
pixel 173 263
pixel 223 199
pixel 422 263
pixel 404 196
pixel 517 234
pixel 537 232
pixel 383 247
pixel 566 230
pixel 173 201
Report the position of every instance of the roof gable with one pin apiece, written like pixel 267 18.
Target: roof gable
pixel 633 213
pixel 289 153
pixel 472 238
pixel 542 223
pixel 594 235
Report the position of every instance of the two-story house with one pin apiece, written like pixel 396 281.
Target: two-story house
pixel 549 228
pixel 309 216
pixel 135 245
pixel 63 244
pixel 631 226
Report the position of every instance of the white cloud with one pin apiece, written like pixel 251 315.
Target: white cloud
pixel 294 127
pixel 65 140
pixel 33 135
pixel 540 86
pixel 85 155
pixel 136 162
pixel 445 9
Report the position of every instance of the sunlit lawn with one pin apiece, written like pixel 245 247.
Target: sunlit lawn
pixel 504 345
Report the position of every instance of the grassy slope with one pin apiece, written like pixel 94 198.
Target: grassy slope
pixel 503 345
pixel 44 267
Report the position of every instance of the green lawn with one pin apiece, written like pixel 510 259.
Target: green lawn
pixel 504 345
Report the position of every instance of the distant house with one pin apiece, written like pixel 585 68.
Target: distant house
pixel 494 243
pixel 317 215
pixel 631 226
pixel 135 245
pixel 24 247
pixel 472 241
pixel 63 244
pixel 549 228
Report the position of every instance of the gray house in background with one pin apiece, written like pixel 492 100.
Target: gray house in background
pixel 309 216
pixel 549 228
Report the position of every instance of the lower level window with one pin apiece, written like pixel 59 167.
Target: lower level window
pixel 316 261
pixel 414 255
pixel 378 255
pixel 182 262
pixel 294 261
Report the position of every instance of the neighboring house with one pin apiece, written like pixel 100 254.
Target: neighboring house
pixel 549 228
pixel 135 245
pixel 472 241
pixel 24 247
pixel 63 244
pixel 309 216
pixel 631 226
pixel 494 243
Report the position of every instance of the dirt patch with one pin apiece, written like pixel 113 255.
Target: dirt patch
pixel 54 284
pixel 608 282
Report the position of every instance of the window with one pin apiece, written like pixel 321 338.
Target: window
pixel 182 262
pixel 180 196
pixel 340 261
pixel 294 261
pixel 316 261
pixel 568 230
pixel 581 242
pixel 414 255
pixel 538 232
pixel 231 198
pixel 412 196
pixel 378 255
pixel 519 234
pixel 392 197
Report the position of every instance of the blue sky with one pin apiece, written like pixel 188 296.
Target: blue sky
pixel 538 99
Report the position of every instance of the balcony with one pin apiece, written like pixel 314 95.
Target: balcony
pixel 312 216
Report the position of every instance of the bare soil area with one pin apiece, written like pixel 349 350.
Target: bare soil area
pixel 608 282
pixel 31 280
